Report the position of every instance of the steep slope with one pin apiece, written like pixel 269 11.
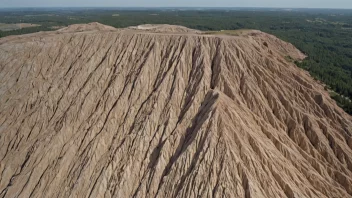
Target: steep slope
pixel 103 112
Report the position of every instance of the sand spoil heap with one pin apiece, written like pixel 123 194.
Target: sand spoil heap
pixel 94 111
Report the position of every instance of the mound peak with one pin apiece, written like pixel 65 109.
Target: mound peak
pixel 164 28
pixel 151 112
pixel 95 26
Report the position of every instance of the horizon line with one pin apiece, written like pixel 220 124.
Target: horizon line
pixel 172 7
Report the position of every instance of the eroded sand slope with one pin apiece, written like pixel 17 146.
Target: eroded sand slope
pixel 93 111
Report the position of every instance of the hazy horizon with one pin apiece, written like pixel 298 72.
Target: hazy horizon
pixel 326 4
pixel 166 7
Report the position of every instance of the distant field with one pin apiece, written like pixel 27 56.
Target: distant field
pixel 16 26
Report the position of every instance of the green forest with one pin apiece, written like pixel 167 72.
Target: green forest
pixel 324 35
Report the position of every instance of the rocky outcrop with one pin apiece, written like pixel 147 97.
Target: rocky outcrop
pixel 109 112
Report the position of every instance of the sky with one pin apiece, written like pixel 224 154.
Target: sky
pixel 180 3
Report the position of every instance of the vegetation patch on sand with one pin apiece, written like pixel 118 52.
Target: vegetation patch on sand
pixel 239 32
pixel 56 27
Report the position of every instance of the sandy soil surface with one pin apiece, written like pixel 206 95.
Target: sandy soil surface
pixel 166 111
